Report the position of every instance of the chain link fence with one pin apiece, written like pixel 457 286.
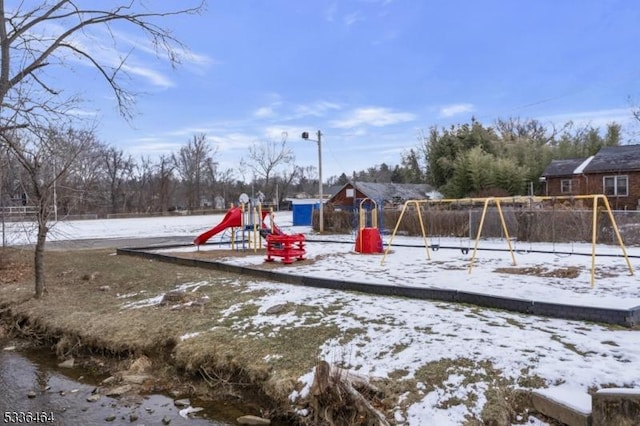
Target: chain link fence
pixel 558 225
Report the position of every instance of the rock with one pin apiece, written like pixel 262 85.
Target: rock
pixel 166 420
pixel 110 418
pixel 90 277
pixel 108 380
pixel 181 403
pixel 68 363
pixel 93 398
pixel 276 309
pixel 104 288
pixel 140 365
pixel 189 411
pixel 119 391
pixel 9 348
pixel 175 296
pixel 31 395
pixel 133 417
pixel 252 420
pixel 176 393
pixel 136 379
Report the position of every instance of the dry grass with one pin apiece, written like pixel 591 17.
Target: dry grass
pixel 539 271
pixel 82 314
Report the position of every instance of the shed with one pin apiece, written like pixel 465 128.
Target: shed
pixel 383 193
pixel 303 211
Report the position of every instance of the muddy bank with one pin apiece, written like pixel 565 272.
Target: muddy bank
pixel 33 384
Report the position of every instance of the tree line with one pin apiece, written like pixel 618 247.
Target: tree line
pixel 507 158
pixel 73 172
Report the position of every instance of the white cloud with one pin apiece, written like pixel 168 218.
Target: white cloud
pixel 263 112
pixel 372 116
pixel 455 109
pixel 330 13
pixel 152 76
pixel 352 18
pixel 315 109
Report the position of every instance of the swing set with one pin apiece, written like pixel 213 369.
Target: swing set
pixel 498 202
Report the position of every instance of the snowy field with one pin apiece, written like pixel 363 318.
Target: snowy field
pixel 403 335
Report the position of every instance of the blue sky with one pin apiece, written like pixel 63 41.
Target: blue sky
pixel 373 74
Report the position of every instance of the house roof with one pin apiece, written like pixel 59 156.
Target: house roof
pixel 609 159
pixel 563 167
pixel 389 191
pixel 615 159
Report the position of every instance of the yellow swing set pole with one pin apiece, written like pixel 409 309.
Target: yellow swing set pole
pixel 506 232
pixel 424 234
pixel 393 234
pixel 617 231
pixel 475 246
pixel 594 234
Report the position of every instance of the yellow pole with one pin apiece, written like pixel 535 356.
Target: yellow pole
pixel 594 233
pixel 393 234
pixel 617 231
pixel 242 223
pixel 506 233
pixel 374 215
pixel 475 247
pixel 424 234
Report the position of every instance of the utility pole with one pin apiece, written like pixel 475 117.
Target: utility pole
pixel 305 135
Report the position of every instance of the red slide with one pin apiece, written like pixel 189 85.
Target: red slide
pixel 233 218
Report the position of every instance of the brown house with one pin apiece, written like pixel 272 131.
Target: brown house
pixel 613 171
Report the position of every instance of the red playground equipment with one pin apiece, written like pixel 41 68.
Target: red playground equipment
pixel 289 247
pixel 368 240
pixel 234 219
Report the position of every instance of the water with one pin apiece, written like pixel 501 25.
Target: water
pixel 61 398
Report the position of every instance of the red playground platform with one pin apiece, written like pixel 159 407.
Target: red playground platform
pixel 289 247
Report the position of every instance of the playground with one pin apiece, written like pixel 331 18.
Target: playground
pixel 577 274
pixel 447 357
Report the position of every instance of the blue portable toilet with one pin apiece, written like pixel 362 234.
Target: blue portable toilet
pixel 303 211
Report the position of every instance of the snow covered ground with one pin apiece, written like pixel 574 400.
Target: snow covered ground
pixel 403 335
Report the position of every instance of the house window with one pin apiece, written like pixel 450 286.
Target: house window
pixel 565 186
pixel 616 185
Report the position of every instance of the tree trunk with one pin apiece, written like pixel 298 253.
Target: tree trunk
pixel 38 261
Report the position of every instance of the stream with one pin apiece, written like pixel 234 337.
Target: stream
pixel 34 390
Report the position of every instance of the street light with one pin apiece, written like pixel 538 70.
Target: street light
pixel 305 136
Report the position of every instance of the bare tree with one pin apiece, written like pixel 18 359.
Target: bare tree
pixel 82 186
pixel 265 158
pixel 44 35
pixel 119 170
pixel 164 185
pixel 46 156
pixel 194 163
